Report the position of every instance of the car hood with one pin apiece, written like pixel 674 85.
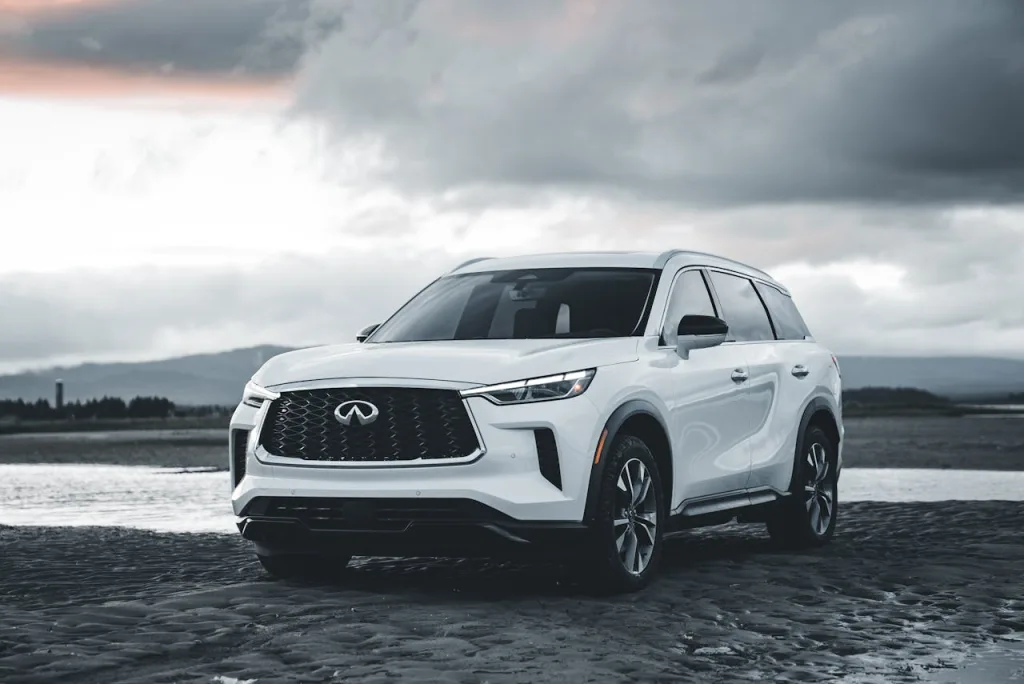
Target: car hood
pixel 475 362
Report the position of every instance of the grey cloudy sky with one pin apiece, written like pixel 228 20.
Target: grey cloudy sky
pixel 691 102
pixel 870 154
pixel 197 36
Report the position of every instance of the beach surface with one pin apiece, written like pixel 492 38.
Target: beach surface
pixel 905 593
pixel 913 588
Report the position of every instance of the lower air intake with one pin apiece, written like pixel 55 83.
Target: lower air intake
pixel 239 439
pixel 547 456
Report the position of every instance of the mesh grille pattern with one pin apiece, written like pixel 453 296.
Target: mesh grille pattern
pixel 412 424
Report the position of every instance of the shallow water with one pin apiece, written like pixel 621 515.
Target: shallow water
pixel 172 500
pixel 197 434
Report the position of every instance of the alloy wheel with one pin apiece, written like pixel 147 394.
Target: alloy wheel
pixel 636 516
pixel 819 489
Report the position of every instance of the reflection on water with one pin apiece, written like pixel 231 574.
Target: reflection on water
pixel 184 434
pixel 170 500
pixel 160 499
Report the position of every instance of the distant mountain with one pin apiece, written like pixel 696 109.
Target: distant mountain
pixel 219 378
pixel 951 376
pixel 187 380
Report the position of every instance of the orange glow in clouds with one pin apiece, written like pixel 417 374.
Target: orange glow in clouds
pixel 53 79
pixel 24 7
pixel 79 81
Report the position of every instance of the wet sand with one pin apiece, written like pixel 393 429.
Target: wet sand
pixel 904 591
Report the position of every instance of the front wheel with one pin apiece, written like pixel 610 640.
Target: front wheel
pixel 807 517
pixel 625 548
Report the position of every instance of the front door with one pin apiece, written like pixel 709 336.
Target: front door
pixel 709 412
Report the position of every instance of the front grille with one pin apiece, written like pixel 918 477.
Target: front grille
pixel 412 424
pixel 238 445
pixel 393 515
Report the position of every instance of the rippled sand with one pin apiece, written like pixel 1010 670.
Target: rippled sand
pixel 904 591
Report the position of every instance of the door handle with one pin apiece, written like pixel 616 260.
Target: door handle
pixel 800 371
pixel 739 375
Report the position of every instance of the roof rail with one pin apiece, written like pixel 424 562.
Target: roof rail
pixel 664 258
pixel 464 264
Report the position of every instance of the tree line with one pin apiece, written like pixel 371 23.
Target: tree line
pixel 99 409
pixel 889 396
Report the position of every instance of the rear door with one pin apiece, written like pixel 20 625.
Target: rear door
pixel 799 365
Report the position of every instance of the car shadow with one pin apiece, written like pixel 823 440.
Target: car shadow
pixel 494 579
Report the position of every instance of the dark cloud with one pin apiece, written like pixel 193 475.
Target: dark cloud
pixel 685 101
pixel 191 36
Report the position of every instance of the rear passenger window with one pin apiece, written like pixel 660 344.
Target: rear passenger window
pixel 690 297
pixel 742 308
pixel 789 324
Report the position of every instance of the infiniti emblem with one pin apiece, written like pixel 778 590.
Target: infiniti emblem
pixel 363 412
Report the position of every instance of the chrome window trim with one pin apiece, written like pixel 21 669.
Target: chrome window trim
pixel 705 271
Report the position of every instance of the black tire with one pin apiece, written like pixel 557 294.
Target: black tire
pixel 304 566
pixel 605 565
pixel 799 521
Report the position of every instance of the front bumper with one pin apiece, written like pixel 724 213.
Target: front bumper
pixel 399 527
pixel 505 477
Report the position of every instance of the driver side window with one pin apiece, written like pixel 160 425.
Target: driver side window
pixel 689 297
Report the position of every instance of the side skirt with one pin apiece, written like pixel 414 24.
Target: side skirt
pixel 745 506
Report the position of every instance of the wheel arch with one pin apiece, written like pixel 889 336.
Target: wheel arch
pixel 639 418
pixel 818 413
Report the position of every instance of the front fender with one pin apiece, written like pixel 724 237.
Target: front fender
pixel 607 436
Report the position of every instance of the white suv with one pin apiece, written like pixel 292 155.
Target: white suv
pixel 584 404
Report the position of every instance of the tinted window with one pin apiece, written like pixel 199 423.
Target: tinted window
pixel 689 297
pixel 742 308
pixel 526 304
pixel 789 324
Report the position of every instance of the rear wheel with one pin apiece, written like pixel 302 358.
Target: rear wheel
pixel 807 517
pixel 625 548
pixel 303 566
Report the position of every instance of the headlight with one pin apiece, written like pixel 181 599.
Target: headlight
pixel 547 388
pixel 254 395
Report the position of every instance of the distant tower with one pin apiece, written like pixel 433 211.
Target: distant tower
pixel 60 395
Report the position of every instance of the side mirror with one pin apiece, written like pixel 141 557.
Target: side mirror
pixel 699 332
pixel 366 332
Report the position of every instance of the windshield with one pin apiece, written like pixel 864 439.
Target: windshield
pixel 544 303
